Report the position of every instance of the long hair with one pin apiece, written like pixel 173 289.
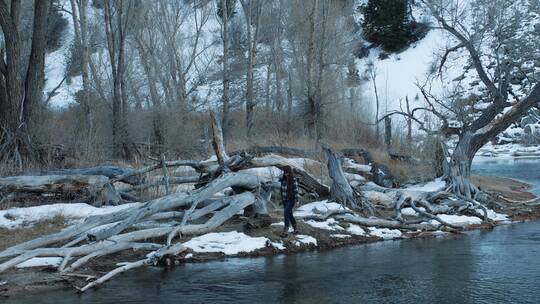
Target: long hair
pixel 288 176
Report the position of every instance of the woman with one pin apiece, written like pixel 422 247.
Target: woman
pixel 289 197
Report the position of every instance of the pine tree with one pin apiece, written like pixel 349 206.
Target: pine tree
pixel 387 23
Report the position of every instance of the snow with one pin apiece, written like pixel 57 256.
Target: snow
pixel 41 262
pixel 188 256
pixel 278 245
pixel 507 151
pixel 460 220
pixel 355 229
pixel 385 233
pixel 497 217
pixel 397 75
pixel 17 217
pixel 229 243
pixel 434 185
pixel 329 224
pixel 55 66
pixel 302 239
pixel 316 208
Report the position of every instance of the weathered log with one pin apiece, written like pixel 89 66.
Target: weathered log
pixel 305 180
pixel 199 166
pixel 217 140
pixel 278 150
pixel 151 260
pixel 382 223
pixel 341 190
pixel 172 180
pixel 109 171
pixel 290 151
pixel 109 250
pixel 96 188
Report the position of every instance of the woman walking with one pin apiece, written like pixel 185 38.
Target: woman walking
pixel 289 197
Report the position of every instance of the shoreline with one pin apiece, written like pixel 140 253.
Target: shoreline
pixel 31 280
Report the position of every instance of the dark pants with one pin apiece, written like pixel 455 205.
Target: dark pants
pixel 288 213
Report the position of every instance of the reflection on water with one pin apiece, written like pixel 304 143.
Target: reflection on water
pixel 499 266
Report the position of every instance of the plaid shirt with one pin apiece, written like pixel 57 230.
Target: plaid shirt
pixel 284 191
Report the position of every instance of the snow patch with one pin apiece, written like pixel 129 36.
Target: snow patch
pixel 355 229
pixel 302 239
pixel 229 243
pixel 278 245
pixel 497 217
pixel 385 233
pixel 434 185
pixel 329 224
pixel 316 208
pixel 17 217
pixel 460 220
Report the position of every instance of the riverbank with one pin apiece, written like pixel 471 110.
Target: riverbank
pixel 234 239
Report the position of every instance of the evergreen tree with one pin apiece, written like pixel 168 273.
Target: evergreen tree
pixel 387 23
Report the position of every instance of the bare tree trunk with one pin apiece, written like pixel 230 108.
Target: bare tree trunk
pixel 14 80
pixel 268 102
pixel 80 24
pixel 289 102
pixel 116 47
pixel 249 13
pixel 312 106
pixel 409 120
pixel 35 75
pixel 226 81
pixel 388 133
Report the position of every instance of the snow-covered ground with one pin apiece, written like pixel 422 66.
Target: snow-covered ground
pixel 229 243
pixel 20 217
pixel 434 185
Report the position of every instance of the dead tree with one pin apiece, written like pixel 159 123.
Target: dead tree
pixel 341 190
pixel 96 189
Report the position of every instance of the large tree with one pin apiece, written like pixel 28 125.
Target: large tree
pixel 21 83
pixel 499 40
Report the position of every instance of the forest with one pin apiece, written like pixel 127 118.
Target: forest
pixel 174 120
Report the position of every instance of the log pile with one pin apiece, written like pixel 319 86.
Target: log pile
pixel 204 209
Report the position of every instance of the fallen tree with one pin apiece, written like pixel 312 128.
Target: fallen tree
pixel 96 189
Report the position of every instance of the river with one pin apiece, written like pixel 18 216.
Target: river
pixel 499 266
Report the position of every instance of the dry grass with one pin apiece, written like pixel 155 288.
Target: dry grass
pixel 10 237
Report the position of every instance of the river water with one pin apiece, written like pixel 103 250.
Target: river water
pixel 499 266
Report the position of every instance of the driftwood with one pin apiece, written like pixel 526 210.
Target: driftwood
pixel 306 180
pixel 152 259
pixel 341 190
pixel 109 171
pixel 95 188
pixel 384 223
pixel 217 140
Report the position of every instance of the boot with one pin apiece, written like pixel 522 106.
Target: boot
pixel 285 232
pixel 295 231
